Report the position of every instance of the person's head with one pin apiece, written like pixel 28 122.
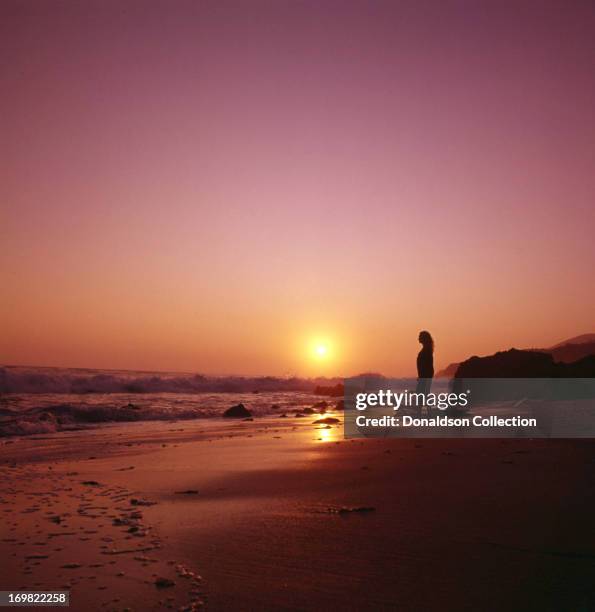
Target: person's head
pixel 426 340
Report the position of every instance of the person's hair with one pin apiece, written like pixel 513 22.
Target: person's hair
pixel 426 339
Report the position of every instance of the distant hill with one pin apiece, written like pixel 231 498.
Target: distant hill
pixel 449 371
pixel 567 351
pixel 582 339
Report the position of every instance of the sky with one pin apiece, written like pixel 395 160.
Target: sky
pixel 223 187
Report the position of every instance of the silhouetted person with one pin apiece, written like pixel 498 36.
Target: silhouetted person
pixel 425 364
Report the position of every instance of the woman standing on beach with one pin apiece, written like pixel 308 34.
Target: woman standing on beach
pixel 425 364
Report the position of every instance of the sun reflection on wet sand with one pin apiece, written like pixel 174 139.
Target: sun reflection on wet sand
pixel 328 435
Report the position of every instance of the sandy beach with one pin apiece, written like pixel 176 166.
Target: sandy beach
pixel 280 514
pixel 253 253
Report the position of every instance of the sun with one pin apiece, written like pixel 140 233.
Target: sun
pixel 321 350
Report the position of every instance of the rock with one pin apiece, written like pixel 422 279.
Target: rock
pixel 141 502
pixel 275 407
pixel 508 364
pixel 322 404
pixel 357 509
pixel 164 583
pixel 524 365
pixel 348 510
pixel 238 411
pixel 340 405
pixel 326 421
pixel 187 492
pixel 308 411
pixel 569 351
pixel 90 483
pixel 335 391
pixel 583 368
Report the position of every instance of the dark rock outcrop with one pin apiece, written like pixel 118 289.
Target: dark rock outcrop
pixel 238 411
pixel 535 371
pixel 583 368
pixel 508 364
pixel 569 351
pixel 525 364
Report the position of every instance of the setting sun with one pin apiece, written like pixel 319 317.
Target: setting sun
pixel 320 349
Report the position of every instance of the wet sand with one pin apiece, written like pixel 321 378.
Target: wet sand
pixel 278 514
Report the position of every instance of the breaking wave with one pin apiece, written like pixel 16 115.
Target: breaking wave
pixel 47 400
pixel 17 379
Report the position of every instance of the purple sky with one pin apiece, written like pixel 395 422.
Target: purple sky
pixel 215 186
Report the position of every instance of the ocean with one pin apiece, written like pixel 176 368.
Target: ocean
pixel 46 400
